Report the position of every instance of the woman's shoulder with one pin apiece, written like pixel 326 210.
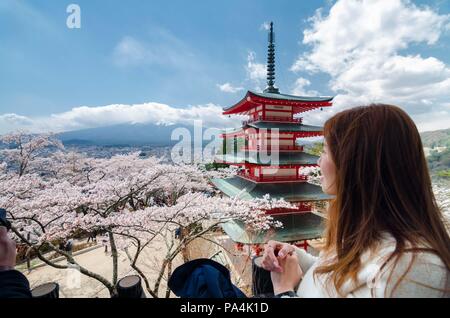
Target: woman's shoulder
pixel 421 252
pixel 417 272
pixel 422 274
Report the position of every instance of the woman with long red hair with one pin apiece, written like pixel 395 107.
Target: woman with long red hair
pixel 385 235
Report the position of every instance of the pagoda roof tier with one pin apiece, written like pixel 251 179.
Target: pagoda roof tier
pixel 296 227
pixel 284 158
pixel 291 192
pixel 282 128
pixel 300 103
pixel 285 127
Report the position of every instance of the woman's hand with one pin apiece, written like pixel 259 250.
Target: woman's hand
pixel 273 252
pixel 289 278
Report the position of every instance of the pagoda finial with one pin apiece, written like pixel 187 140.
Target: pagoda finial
pixel 271 63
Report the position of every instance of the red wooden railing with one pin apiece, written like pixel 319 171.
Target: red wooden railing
pixel 300 208
pixel 273 119
pixel 269 148
pixel 265 178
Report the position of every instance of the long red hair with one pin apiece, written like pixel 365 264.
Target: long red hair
pixel 383 185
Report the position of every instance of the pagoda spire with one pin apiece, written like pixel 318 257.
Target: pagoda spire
pixel 271 63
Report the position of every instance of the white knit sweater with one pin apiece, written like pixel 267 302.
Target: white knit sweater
pixel 427 269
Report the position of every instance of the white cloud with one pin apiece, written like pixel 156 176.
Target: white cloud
pixel 300 88
pixel 129 51
pixel 228 88
pixel 160 48
pixel 362 44
pixel 90 117
pixel 9 122
pixel 433 121
pixel 265 26
pixel 256 72
pixel 14 119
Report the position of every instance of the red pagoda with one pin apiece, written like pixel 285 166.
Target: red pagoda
pixel 271 132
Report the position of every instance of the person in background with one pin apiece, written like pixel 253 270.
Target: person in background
pixel 385 235
pixel 69 246
pixel 28 257
pixel 178 233
pixel 105 240
pixel 92 236
pixel 62 245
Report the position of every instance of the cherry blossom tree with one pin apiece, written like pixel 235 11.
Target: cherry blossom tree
pixel 56 195
pixel 442 193
pixel 26 149
pixel 313 173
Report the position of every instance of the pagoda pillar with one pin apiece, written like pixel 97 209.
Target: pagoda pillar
pixel 224 145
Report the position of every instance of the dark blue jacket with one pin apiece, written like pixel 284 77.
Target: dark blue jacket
pixel 13 284
pixel 203 278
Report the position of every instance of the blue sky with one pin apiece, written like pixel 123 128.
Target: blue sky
pixel 202 55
